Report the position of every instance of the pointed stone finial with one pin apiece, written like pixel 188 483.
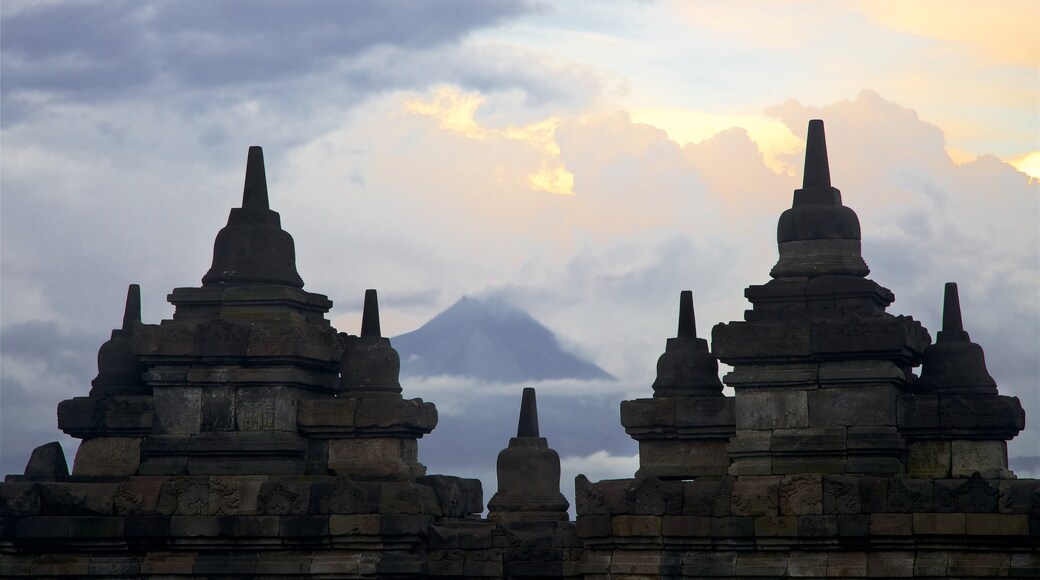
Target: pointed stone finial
pixel 370 316
pixel 527 426
pixel 132 311
pixel 817 170
pixel 687 322
pixel 254 193
pixel 952 309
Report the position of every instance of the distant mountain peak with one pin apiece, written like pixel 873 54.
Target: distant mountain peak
pixel 491 340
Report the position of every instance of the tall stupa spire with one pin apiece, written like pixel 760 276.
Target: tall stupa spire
pixel 253 248
pixel 817 171
pixel 818 235
pixel 254 192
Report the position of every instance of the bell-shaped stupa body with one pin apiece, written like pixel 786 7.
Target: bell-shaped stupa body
pixel 370 367
pixel 528 474
pixel 686 367
pixel 119 368
pixel 253 248
pixel 955 364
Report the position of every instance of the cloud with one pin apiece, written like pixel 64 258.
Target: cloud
pixel 70 47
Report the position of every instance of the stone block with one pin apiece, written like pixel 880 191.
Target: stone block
pixel 854 526
pixel 749 442
pixel 327 416
pixel 841 494
pixel 336 563
pixel 751 466
pixel 853 405
pixel 484 563
pixel 1017 496
pixel 907 495
pixel 354 525
pixel 595 526
pixel 19 499
pixel 284 563
pixel 43 527
pixel 708 496
pixel 178 410
pixel 733 527
pixel 282 498
pixel 813 441
pixel 108 456
pixel 404 524
pixel 891 524
pixel 772 410
pixel 739 341
pixel 713 564
pixel 938 524
pixel 801 495
pixel 255 526
pixel 786 375
pixel 705 412
pixel 972 495
pixel 1025 565
pixel 195 526
pixel 873 493
pixel 890 564
pixel 375 458
pixel 303 526
pixel 267 408
pixel 47 460
pixel 989 458
pixel 918 413
pixel 682 458
pixel 145 527
pixel 95 527
pixel 686 526
pixel 846 564
pixel 756 496
pixel 218 408
pixel 114 566
pixel 807 565
pixel 997 524
pixel 642 413
pixel 977 564
pixel 761 564
pixel 61 565
pixel 642 526
pixel 652 496
pixel 168 563
pixel 860 371
pixel 343 496
pixel 636 563
pixel 408 498
pixel 817 526
pixel 928 459
pixel 449 563
pixel 456 496
pixel 929 563
pixel 777 526
pixel 224 563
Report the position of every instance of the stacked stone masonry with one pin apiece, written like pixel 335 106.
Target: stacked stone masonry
pixel 247 437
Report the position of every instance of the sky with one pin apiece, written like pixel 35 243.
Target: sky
pixel 585 161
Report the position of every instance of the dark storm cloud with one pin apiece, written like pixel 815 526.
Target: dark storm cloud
pixel 108 47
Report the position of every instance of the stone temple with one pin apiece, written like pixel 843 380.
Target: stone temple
pixel 246 437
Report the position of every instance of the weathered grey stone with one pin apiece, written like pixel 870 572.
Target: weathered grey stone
pixel 178 410
pixel 47 460
pixel 772 410
pixel 108 456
